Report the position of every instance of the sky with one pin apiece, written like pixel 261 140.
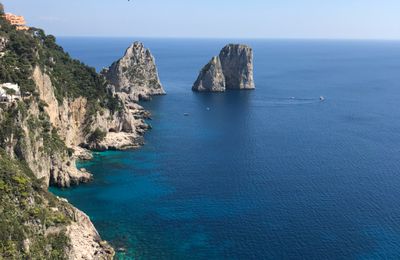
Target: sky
pixel 303 19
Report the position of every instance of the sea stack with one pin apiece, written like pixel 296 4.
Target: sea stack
pixel 135 74
pixel 211 77
pixel 232 69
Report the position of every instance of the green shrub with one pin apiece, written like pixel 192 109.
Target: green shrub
pixel 97 136
pixel 20 219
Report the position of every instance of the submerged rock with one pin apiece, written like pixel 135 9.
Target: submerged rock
pixel 135 75
pixel 232 69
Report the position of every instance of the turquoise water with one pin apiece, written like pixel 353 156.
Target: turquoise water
pixel 267 174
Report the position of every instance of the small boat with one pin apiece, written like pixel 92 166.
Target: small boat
pixel 208 109
pixel 186 114
pixel 321 98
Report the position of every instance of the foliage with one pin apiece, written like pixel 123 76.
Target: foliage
pixel 97 136
pixel 71 78
pixel 25 215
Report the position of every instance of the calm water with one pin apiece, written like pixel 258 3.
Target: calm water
pixel 261 175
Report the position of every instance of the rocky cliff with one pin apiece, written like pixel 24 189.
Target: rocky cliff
pixel 120 129
pixel 211 77
pixel 36 225
pixel 65 108
pixel 232 69
pixel 135 75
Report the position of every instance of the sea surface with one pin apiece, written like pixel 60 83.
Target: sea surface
pixel 273 173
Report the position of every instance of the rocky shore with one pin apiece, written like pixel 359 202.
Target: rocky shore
pixel 66 110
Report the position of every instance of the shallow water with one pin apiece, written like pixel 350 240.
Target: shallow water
pixel 264 174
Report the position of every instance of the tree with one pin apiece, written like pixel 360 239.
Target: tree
pixel 1 9
pixel 10 91
pixel 97 136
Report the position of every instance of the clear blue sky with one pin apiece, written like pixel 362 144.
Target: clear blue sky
pixel 350 19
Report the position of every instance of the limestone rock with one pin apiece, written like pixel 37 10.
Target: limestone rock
pixel 82 154
pixel 123 129
pixel 211 78
pixel 232 69
pixel 85 240
pixel 135 74
pixel 237 65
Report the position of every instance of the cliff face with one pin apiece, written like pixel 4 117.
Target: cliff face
pixel 122 129
pixel 36 225
pixel 85 240
pixel 29 137
pixel 135 75
pixel 237 65
pixel 45 133
pixel 232 69
pixel 65 107
pixel 211 77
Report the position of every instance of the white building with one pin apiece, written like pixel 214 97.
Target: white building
pixel 9 92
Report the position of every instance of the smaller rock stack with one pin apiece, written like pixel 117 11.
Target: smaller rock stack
pixel 232 69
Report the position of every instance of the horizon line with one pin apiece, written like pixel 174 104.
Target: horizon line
pixel 235 38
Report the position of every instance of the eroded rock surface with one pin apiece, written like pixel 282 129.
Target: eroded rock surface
pixel 211 77
pixel 135 75
pixel 232 69
pixel 85 240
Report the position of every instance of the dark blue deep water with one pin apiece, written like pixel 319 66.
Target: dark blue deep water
pixel 267 174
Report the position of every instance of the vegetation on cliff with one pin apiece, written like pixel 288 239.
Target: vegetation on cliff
pixel 25 50
pixel 70 77
pixel 34 224
pixel 32 221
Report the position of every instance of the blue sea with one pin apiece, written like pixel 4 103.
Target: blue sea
pixel 267 174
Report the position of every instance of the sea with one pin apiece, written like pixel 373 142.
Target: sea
pixel 274 173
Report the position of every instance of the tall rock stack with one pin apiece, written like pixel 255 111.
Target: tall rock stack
pixel 135 75
pixel 232 69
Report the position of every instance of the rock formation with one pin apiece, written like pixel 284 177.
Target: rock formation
pixel 232 69
pixel 64 107
pixel 211 77
pixel 122 130
pixel 135 75
pixel 38 225
pixel 85 240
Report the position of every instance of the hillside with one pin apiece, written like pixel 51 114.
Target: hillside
pixel 57 108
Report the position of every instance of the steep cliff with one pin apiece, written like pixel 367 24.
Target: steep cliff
pixel 135 75
pixel 237 65
pixel 64 107
pixel 232 69
pixel 211 77
pixel 120 129
pixel 36 225
pixel 27 134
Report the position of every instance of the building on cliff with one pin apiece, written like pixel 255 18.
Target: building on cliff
pixel 17 20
